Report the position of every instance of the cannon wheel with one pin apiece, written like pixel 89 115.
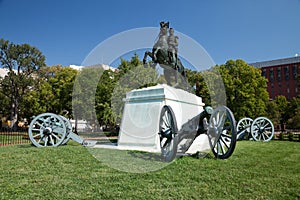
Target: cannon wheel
pixel 262 129
pixel 244 128
pixel 222 129
pixel 69 129
pixel 47 129
pixel 167 133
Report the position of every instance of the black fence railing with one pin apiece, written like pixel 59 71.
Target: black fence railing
pixel 8 137
pixel 290 135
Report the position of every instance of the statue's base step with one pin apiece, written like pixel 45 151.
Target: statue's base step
pixel 124 147
pixel 200 144
pixel 107 146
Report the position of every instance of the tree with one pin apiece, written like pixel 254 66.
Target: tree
pixel 84 93
pixel 103 97
pixel 52 91
pixel 38 100
pixel 4 104
pixel 22 62
pixel 282 105
pixel 277 111
pixel 61 80
pixel 272 112
pixel 131 75
pixel 246 89
pixel 197 81
pixel 293 112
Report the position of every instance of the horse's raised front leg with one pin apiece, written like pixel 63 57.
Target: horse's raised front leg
pixel 147 53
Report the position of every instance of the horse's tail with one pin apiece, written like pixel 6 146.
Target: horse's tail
pixel 180 66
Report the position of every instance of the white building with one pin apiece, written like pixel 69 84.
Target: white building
pixel 105 67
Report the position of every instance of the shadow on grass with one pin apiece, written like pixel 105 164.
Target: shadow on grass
pixel 204 155
pixel 145 155
pixel 157 157
pixel 198 155
pixel 25 146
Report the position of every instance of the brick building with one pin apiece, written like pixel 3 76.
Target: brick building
pixel 282 76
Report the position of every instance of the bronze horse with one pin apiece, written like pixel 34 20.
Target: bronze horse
pixel 163 54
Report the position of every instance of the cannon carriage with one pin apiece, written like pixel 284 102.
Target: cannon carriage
pixel 51 130
pixel 259 129
pixel 220 132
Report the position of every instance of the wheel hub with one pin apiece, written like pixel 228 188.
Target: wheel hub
pixel 261 129
pixel 213 131
pixel 47 131
pixel 166 133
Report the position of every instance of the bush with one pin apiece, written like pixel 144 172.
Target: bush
pixel 290 136
pixel 281 136
pixel 275 137
pixel 111 133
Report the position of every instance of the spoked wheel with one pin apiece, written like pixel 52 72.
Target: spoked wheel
pixel 222 132
pixel 244 128
pixel 167 133
pixel 262 129
pixel 47 129
pixel 68 127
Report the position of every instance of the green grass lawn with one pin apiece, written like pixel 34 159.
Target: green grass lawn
pixel 254 171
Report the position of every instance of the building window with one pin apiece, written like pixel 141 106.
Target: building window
pixel 279 73
pixel 264 73
pixel 295 71
pixel 286 73
pixel 271 75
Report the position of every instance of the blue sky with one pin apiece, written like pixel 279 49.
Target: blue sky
pixel 67 30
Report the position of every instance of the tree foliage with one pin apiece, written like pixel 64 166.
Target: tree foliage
pixel 95 94
pixel 52 93
pixel 22 62
pixel 104 92
pixel 246 89
pixel 131 75
pixel 84 93
pixel 197 81
pixel 293 114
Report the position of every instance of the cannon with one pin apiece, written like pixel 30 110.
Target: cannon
pixel 259 129
pixel 51 130
pixel 220 129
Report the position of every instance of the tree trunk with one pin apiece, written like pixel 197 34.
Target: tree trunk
pixel 14 114
pixel 76 122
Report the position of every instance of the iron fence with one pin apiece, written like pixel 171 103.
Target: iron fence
pixel 9 137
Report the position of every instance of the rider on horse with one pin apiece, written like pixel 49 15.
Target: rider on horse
pixel 173 46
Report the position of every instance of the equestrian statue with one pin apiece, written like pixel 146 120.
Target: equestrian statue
pixel 165 53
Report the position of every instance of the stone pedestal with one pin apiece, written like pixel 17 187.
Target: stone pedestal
pixel 140 121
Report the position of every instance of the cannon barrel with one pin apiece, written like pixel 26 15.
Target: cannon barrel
pixel 207 112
